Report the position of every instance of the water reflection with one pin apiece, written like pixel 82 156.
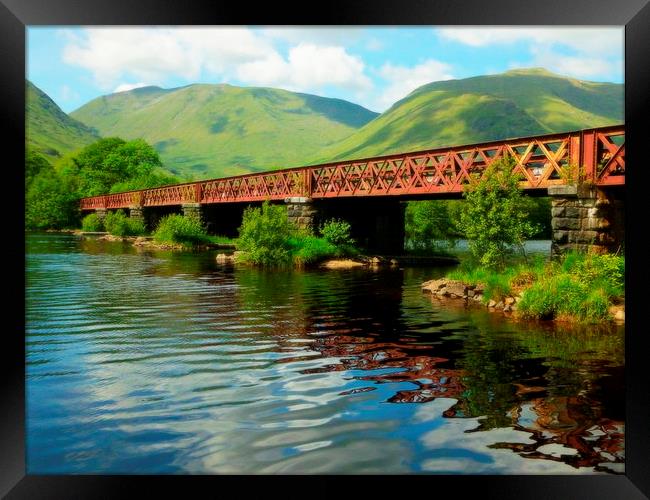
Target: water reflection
pixel 167 362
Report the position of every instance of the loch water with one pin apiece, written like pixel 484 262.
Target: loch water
pixel 154 362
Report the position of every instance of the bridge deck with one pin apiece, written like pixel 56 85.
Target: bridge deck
pixel 542 161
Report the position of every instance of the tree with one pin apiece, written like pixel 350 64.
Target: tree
pixel 109 161
pixel 494 216
pixel 34 164
pixel 151 180
pixel 51 202
pixel 107 165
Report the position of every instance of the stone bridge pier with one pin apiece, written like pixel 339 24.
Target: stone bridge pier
pixel 137 213
pixel 377 224
pixel 587 219
pixel 101 213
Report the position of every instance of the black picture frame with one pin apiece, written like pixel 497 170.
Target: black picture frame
pixel 15 15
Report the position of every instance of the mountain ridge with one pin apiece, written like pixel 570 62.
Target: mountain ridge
pixel 48 129
pixel 209 129
pixel 516 103
pixel 215 130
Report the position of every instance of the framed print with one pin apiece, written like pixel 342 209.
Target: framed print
pixel 377 240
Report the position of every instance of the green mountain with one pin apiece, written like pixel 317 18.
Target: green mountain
pixel 484 108
pixel 48 129
pixel 216 130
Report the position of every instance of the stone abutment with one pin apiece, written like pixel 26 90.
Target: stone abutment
pixel 587 219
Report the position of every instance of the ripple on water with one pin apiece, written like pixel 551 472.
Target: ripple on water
pixel 162 364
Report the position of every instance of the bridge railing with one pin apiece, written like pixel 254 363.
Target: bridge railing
pixel 541 161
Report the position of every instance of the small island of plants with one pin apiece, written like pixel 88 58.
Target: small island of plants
pixel 267 238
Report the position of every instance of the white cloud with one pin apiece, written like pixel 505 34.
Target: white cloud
pixel 124 87
pixel 150 54
pixel 374 44
pixel 577 66
pixel 454 435
pixel 581 52
pixel 68 94
pixel 308 67
pixel 591 40
pixel 316 35
pixel 402 80
pixel 114 55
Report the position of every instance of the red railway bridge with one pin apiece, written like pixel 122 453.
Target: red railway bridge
pixel 370 192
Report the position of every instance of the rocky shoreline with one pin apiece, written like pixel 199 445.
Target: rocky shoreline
pixel 444 288
pixel 454 289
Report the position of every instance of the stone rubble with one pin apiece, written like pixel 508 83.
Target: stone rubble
pixel 448 288
pixel 454 289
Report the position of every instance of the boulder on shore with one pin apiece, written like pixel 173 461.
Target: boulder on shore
pixel 228 258
pixel 447 288
pixel 341 264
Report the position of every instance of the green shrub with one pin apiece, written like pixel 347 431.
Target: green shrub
pixel 119 224
pixel 497 287
pixel 595 306
pixel 264 235
pixel 311 249
pixel 135 227
pixel 267 238
pixel 92 223
pixel 337 232
pixel 187 231
pixel 222 240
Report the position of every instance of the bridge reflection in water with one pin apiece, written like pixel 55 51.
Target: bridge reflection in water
pixel 547 382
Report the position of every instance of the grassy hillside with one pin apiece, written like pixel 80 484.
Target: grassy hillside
pixel 512 104
pixel 48 129
pixel 215 130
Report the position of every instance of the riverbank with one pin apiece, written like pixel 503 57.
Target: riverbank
pixel 580 288
pixel 360 261
pixel 148 242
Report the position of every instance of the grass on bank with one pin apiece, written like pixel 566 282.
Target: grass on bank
pixel 579 287
pixel 186 231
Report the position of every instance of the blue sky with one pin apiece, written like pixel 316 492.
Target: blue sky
pixel 373 67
